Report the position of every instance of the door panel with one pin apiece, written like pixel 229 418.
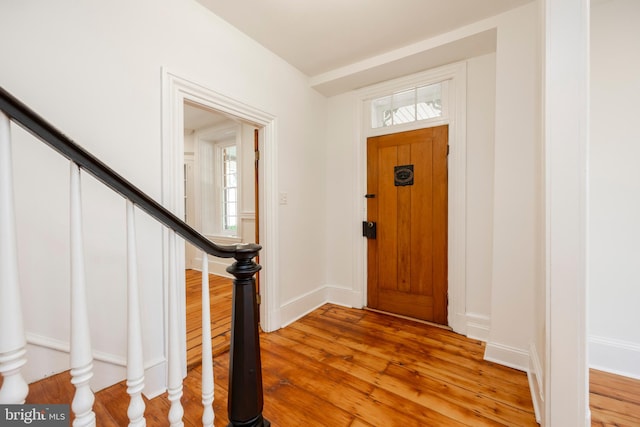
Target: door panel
pixel 407 262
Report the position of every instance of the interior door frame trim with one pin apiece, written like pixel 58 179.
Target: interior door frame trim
pixel 175 90
pixel 456 74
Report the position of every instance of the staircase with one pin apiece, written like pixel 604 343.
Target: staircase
pixel 245 378
pixel 111 403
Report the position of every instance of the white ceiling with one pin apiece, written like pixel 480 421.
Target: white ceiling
pixel 320 36
pixel 198 117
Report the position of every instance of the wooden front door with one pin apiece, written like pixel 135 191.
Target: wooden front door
pixel 407 200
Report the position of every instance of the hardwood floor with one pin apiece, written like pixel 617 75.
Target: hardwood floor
pixel 220 301
pixel 379 370
pixel 345 367
pixel 614 400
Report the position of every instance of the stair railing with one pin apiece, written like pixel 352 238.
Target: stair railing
pixel 245 377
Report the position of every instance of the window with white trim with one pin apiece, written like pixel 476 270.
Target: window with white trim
pixel 229 189
pixel 407 106
pixel 219 185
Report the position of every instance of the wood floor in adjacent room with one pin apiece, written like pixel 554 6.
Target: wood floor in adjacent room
pixel 220 294
pixel 614 400
pixel 345 367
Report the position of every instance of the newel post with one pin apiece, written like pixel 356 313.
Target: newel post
pixel 245 369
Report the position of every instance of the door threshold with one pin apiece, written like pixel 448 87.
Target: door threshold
pixel 413 319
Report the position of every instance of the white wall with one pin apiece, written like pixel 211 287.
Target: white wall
pixel 516 178
pixel 614 180
pixel 93 69
pixel 481 107
pixel 102 87
pixel 344 201
pixel 503 179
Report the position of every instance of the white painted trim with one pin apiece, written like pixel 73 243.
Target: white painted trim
pixel 155 374
pixel 215 139
pixel 427 77
pixel 12 334
pixel 536 386
pixel 506 355
pixel 615 356
pixel 359 249
pixel 478 326
pixel 217 266
pixel 81 359
pixel 344 296
pixel 224 240
pixel 406 51
pixel 108 368
pixel 457 237
pixel 457 245
pixel 299 307
pixel 63 346
pixel 566 135
pixel 268 226
pixel 175 90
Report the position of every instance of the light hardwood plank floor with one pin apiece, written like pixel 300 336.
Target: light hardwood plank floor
pixel 220 295
pixel 346 367
pixel 614 400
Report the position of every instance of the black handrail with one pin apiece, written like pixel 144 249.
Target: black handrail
pixel 245 401
pixel 47 133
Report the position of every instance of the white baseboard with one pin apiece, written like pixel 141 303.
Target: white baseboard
pixel 48 356
pixel 614 356
pixel 155 378
pixel 270 321
pixel 43 362
pixel 472 325
pixel 478 326
pixel 217 266
pixel 458 322
pixel 506 355
pixel 344 297
pixel 536 387
pixel 297 308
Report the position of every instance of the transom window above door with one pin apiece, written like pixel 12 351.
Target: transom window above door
pixel 410 105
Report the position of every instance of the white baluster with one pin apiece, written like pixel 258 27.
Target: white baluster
pixel 135 361
pixel 81 357
pixel 174 387
pixel 12 340
pixel 207 359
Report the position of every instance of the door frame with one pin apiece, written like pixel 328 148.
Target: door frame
pixel 177 89
pixel 456 75
pixel 190 191
pixel 425 149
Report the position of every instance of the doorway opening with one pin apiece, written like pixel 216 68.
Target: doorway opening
pixel 220 202
pixel 177 90
pixel 409 104
pixel 407 209
pixel 219 180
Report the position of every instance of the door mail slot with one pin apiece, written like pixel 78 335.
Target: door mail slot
pixel 369 229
